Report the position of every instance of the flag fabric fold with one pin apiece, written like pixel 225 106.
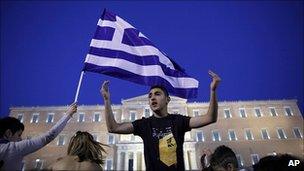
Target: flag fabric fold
pixel 118 49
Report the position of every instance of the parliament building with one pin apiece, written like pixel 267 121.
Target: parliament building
pixel 253 129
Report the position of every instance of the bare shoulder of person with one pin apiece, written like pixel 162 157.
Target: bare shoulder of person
pixel 63 163
pixel 88 165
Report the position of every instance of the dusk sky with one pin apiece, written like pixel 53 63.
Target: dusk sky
pixel 255 47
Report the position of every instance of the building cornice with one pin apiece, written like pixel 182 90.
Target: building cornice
pixel 138 102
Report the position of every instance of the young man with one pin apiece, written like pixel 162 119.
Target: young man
pixel 162 133
pixel 13 149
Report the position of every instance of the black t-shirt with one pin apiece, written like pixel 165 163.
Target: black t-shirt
pixel 163 141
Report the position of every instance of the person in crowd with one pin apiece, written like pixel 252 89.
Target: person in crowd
pixel 205 158
pixel 84 153
pixel 13 148
pixel 223 159
pixel 284 162
pixel 162 133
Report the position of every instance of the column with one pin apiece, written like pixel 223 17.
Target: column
pixel 126 162
pixel 134 160
pixel 143 161
pixel 193 162
pixel 186 161
pixel 118 156
pixel 138 161
pixel 121 161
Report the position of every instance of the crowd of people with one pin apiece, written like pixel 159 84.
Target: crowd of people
pixel 162 135
pixel 224 159
pixel 84 153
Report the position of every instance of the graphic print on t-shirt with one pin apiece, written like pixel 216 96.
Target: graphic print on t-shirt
pixel 159 133
pixel 167 145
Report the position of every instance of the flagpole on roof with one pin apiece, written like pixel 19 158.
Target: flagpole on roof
pixel 78 87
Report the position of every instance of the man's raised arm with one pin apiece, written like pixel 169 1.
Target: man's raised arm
pixel 211 116
pixel 112 125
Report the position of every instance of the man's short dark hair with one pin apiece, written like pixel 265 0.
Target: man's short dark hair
pixel 162 88
pixel 222 156
pixel 10 123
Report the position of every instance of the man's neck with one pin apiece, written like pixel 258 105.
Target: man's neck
pixel 160 114
pixel 163 112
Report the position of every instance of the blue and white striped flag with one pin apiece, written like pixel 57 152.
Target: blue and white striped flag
pixel 120 50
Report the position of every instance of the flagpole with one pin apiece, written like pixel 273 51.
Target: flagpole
pixel 79 84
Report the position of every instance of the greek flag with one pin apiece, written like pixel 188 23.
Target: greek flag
pixel 120 50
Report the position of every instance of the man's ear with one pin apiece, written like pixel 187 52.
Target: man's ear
pixel 168 99
pixel 7 134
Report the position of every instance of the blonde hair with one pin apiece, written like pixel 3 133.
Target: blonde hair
pixel 83 145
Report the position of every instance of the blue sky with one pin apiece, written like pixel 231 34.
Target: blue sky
pixel 256 47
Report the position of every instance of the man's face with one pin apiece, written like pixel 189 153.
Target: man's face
pixel 15 137
pixel 157 99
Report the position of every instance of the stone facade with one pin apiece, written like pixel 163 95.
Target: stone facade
pixel 252 129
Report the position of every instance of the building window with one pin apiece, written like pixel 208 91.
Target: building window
pixel 61 140
pixel 265 134
pixel 216 135
pixel 38 164
pixel 273 112
pixel 227 113
pixel 288 111
pixel 297 133
pixel 257 112
pixel 132 116
pixel 147 113
pixel 50 118
pixel 109 164
pixel 242 113
pixel 123 116
pixel 195 112
pixel 281 133
pixel 125 137
pixel 35 118
pixel 232 135
pixel 248 134
pixel 97 117
pixel 80 117
pixel 20 117
pixel 111 139
pixel 254 158
pixel 115 115
pixel 240 160
pixel 187 135
pixel 95 137
pixel 200 136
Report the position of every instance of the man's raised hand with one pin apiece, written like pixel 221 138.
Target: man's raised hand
pixel 105 90
pixel 215 80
